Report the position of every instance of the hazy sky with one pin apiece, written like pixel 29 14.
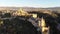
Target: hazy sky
pixel 30 3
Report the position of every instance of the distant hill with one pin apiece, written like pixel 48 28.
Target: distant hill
pixel 55 9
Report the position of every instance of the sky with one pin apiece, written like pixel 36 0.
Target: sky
pixel 29 3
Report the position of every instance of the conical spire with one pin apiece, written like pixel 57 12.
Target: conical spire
pixel 43 22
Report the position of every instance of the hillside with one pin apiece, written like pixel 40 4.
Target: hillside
pixel 15 25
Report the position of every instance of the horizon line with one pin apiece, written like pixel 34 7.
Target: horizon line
pixel 30 6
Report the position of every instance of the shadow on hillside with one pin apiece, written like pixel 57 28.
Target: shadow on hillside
pixel 18 26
